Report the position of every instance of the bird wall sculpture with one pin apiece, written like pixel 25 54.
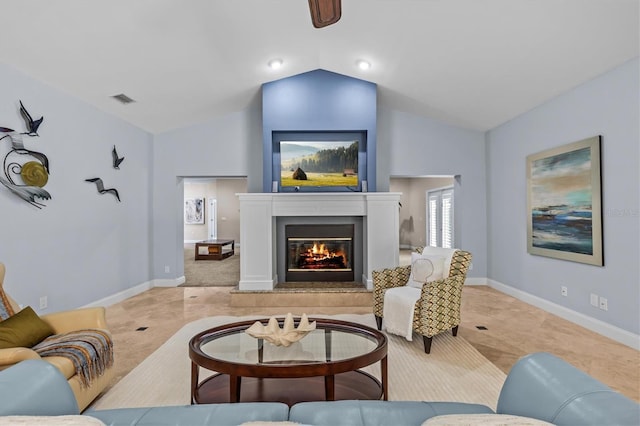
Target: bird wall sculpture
pixel 32 125
pixel 28 192
pixel 17 146
pixel 116 160
pixel 26 172
pixel 101 189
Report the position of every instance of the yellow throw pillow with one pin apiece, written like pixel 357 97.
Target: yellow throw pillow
pixel 24 329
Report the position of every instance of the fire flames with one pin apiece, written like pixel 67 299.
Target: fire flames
pixel 320 251
pixel 321 256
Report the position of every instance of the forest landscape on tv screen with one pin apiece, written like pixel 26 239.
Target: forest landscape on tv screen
pixel 319 163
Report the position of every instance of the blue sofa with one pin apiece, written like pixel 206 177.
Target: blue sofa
pixel 539 386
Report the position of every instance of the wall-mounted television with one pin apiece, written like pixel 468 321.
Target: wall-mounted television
pixel 319 161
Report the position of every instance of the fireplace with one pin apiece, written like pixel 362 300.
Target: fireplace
pixel 264 216
pixel 319 252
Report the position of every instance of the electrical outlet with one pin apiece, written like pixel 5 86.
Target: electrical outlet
pixel 44 302
pixel 564 291
pixel 594 300
pixel 471 266
pixel 167 269
pixel 603 304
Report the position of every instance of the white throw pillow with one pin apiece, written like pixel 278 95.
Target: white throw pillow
pixel 447 253
pixel 425 268
pixel 483 420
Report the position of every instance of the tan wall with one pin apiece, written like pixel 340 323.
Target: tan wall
pixel 228 207
pixel 413 227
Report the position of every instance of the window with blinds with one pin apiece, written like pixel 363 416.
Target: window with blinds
pixel 440 218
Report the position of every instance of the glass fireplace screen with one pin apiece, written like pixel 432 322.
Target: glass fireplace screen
pixel 327 254
pixel 319 252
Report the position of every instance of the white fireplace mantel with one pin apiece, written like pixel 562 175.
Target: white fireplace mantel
pixel 258 213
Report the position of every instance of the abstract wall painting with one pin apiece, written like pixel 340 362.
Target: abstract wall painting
pixel 194 211
pixel 564 207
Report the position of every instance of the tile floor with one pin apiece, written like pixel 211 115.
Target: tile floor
pixel 514 329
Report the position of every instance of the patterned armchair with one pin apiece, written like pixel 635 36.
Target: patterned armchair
pixel 438 308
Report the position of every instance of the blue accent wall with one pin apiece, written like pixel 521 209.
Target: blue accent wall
pixel 319 101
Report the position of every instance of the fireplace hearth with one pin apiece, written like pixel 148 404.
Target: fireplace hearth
pixel 319 252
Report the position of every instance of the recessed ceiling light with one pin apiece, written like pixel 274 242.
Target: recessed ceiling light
pixel 274 64
pixel 363 65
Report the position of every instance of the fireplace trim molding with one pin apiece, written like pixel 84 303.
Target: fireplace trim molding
pixel 258 213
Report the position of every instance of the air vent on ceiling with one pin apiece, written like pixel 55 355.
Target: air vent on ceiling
pixel 123 98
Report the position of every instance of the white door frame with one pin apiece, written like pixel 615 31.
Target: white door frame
pixel 213 219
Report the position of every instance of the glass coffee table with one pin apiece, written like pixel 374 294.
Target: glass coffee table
pixel 324 365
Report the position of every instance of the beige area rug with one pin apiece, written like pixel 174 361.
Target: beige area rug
pixel 454 371
pixel 210 273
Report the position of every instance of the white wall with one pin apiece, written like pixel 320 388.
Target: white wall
pixel 226 146
pixel 199 189
pixel 410 145
pixel 607 106
pixel 82 246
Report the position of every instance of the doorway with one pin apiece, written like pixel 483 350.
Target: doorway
pixel 213 219
pixel 222 221
pixel 413 216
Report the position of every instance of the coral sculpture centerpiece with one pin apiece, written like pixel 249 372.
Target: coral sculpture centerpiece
pixel 284 336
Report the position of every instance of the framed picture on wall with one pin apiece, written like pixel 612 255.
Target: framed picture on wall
pixel 564 202
pixel 194 211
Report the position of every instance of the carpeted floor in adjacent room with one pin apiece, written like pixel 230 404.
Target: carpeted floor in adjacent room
pixel 208 273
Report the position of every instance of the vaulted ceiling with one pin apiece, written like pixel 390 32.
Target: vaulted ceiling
pixel 470 63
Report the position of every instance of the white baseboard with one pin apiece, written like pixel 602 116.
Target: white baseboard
pixel 123 295
pixel 612 332
pixel 367 282
pixel 133 291
pixel 476 281
pixel 169 283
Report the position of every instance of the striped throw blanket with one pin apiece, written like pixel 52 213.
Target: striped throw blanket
pixel 90 350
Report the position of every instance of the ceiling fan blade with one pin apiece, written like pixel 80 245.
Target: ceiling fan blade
pixel 325 12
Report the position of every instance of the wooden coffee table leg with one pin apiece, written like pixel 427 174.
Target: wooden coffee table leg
pixel 330 388
pixel 234 388
pixel 383 374
pixel 194 381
